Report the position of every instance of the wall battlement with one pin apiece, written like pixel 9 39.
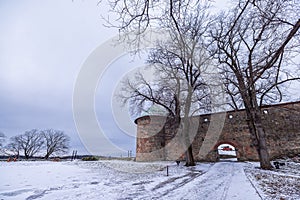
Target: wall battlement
pixel 156 140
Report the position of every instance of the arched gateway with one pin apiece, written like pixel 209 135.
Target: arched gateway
pixel 227 151
pixel 158 141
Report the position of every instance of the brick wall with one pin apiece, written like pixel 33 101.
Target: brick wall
pixel 155 141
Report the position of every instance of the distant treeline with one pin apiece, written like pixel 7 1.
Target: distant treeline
pixel 49 142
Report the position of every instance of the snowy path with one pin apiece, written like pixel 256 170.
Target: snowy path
pixel 224 180
pixel 95 180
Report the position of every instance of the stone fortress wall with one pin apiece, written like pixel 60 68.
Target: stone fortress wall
pixel 155 141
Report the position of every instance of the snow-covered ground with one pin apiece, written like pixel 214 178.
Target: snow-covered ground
pixel 282 183
pixel 113 179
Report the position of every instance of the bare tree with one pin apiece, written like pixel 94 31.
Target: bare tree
pixel 254 44
pixel 134 18
pixel 180 63
pixel 2 139
pixel 30 143
pixel 56 142
pixel 13 147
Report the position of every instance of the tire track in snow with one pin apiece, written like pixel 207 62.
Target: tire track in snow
pixel 172 184
pixel 215 183
pixel 186 178
pixel 225 191
pixel 224 180
pixel 168 186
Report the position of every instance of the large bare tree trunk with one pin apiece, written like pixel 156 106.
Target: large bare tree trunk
pixel 254 121
pixel 186 129
pixel 189 157
pixel 187 143
pixel 262 149
pixel 258 136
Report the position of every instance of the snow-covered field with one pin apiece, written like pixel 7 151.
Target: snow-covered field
pixel 115 179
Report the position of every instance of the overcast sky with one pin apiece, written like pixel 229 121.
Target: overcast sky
pixel 44 45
